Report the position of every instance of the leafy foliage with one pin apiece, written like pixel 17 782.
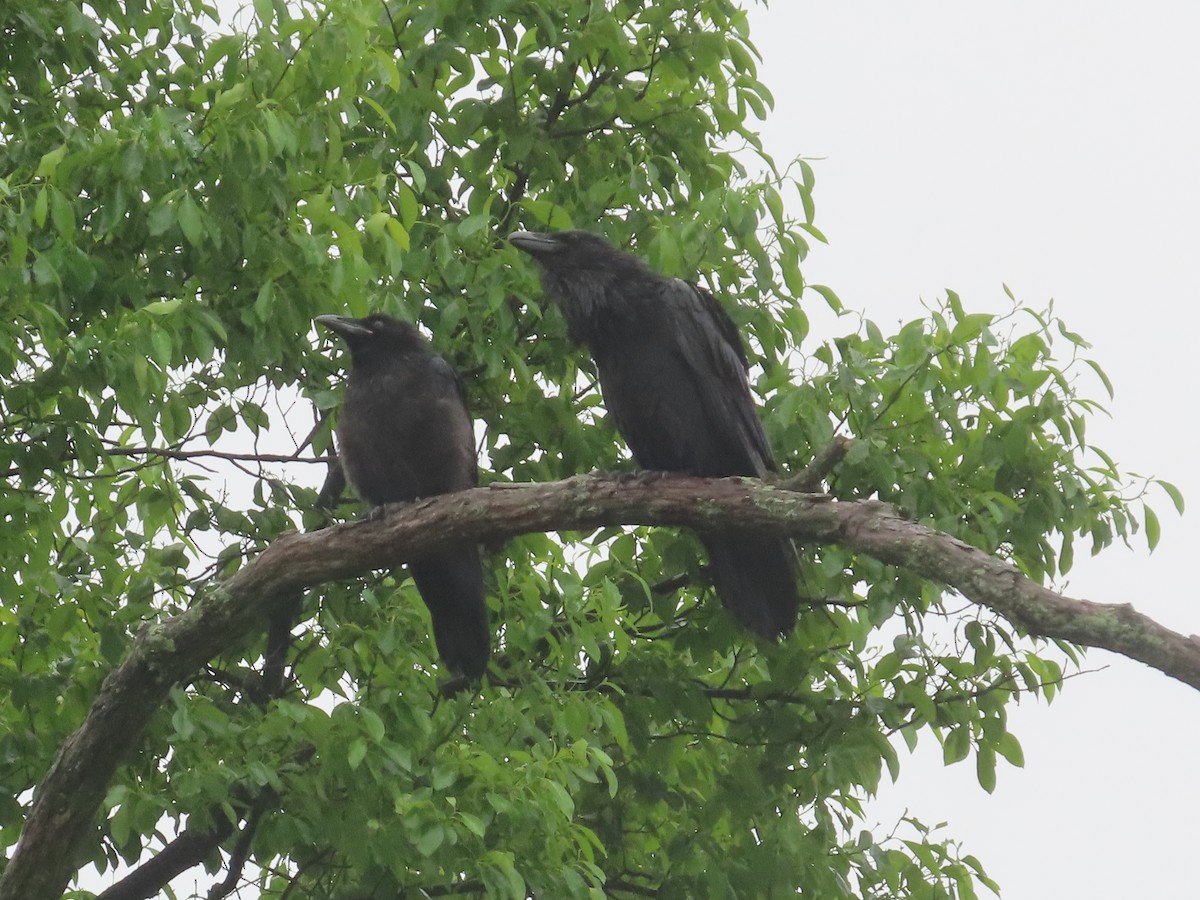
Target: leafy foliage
pixel 178 200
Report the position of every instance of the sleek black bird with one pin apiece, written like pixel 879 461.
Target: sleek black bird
pixel 404 433
pixel 673 372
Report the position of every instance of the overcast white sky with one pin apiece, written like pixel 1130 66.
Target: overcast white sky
pixel 1054 147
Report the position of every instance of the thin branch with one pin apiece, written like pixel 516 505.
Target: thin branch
pixel 215 454
pixel 241 853
pixel 809 479
pixel 164 453
pixel 322 418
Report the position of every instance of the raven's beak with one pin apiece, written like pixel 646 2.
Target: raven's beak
pixel 344 325
pixel 534 242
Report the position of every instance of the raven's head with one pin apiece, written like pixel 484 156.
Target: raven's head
pixel 375 337
pixel 584 274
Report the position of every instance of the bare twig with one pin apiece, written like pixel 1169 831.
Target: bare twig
pixel 809 479
pixel 241 852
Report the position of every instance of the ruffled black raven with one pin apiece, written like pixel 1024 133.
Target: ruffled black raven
pixel 404 433
pixel 673 373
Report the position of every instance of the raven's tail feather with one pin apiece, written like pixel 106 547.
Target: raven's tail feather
pixel 755 577
pixel 451 584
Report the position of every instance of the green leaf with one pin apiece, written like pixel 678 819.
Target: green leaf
pixel 474 224
pixel 265 301
pixel 189 219
pixel 398 234
pixel 428 843
pixel 62 214
pixel 41 206
pixel 985 767
pixel 831 298
pixel 220 420
pixel 162 307
pixel 377 223
pixel 560 797
pixel 162 217
pixel 1095 366
pixel 969 327
pixel 1153 529
pixel 48 164
pixel 230 97
pixel 473 823
pixel 1071 336
pixel 1010 748
pixel 374 724
pixel 957 745
pixel 265 11
pixel 356 753
pixel 161 347
pixel 548 214
pixel 1173 492
pixel 407 203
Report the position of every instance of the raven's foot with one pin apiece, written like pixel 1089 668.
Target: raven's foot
pixel 375 513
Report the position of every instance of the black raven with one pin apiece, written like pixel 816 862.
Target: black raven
pixel 404 433
pixel 673 374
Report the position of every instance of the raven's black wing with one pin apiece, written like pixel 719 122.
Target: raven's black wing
pixel 706 341
pixel 673 373
pixel 451 395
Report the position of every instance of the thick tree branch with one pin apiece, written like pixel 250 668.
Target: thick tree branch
pixel 190 848
pixel 171 651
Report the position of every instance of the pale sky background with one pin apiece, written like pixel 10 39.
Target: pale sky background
pixel 1053 147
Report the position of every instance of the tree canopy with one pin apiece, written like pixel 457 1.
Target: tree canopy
pixel 179 199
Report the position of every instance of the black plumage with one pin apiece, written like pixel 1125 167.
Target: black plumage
pixel 403 433
pixel 673 372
